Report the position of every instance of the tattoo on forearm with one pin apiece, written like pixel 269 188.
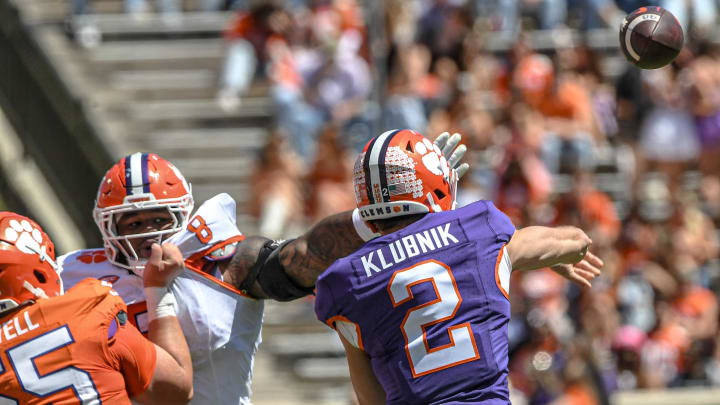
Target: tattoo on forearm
pixel 304 259
pixel 308 256
pixel 241 263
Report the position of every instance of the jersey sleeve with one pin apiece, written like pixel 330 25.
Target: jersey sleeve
pixel 136 357
pixel 499 223
pixel 211 233
pixel 327 312
pixel 324 300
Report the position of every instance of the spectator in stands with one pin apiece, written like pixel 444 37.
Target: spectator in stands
pixel 329 177
pixel 668 136
pixel 408 87
pixel 627 344
pixel 250 37
pixel 569 127
pixel 594 209
pixel 442 27
pixel 710 197
pixel 276 190
pixel 700 81
pixel 329 82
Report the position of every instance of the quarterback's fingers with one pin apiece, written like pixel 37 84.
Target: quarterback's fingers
pixel 587 275
pixel 579 280
pixel 594 260
pixel 441 140
pixel 451 144
pixel 587 267
pixel 461 170
pixel 457 156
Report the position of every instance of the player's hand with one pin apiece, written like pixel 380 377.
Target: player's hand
pixel 582 272
pixel 447 144
pixel 165 263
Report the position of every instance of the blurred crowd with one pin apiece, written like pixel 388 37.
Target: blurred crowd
pixel 567 135
pixel 563 134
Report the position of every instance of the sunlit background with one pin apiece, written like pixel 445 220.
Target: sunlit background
pixel 270 102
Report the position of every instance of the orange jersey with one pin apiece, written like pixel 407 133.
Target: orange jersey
pixel 77 348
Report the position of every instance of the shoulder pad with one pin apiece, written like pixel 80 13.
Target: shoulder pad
pixel 212 224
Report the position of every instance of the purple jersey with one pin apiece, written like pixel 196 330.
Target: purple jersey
pixel 429 305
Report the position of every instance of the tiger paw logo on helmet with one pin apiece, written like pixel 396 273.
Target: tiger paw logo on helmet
pixel 433 159
pixel 25 237
pixel 27 256
pixel 401 172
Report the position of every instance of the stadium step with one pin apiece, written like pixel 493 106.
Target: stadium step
pixel 227 170
pixel 322 369
pixel 128 27
pixel 168 52
pixel 203 140
pixel 305 344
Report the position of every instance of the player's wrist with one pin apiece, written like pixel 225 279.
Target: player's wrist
pixel 160 302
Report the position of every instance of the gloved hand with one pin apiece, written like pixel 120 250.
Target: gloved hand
pixel 448 144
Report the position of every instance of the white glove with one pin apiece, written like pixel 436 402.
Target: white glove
pixel 447 144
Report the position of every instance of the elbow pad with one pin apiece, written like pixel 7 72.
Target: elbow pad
pixel 275 282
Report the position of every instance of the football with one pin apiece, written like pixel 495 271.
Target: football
pixel 651 37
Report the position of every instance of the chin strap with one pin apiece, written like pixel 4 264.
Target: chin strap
pixel 38 292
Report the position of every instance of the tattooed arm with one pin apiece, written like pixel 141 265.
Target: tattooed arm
pixel 309 255
pixel 303 259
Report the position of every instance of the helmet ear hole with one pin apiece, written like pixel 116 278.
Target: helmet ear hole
pixel 409 147
pixel 440 195
pixel 40 276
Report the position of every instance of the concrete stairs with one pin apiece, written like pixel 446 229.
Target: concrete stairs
pixel 149 83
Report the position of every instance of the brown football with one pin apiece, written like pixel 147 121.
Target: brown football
pixel 651 37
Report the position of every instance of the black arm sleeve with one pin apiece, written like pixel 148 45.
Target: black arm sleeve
pixel 272 278
pixel 254 271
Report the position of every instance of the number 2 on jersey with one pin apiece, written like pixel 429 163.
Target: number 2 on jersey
pixel 424 359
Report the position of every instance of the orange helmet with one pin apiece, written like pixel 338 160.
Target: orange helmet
pixel 141 181
pixel 401 172
pixel 27 262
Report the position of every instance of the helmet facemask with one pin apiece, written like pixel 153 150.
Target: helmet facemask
pixel 119 248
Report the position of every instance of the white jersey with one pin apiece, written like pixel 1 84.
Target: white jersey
pixel 221 326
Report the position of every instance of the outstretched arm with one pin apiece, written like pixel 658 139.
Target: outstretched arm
pixel 302 259
pixel 306 257
pixel 564 249
pixel 534 247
